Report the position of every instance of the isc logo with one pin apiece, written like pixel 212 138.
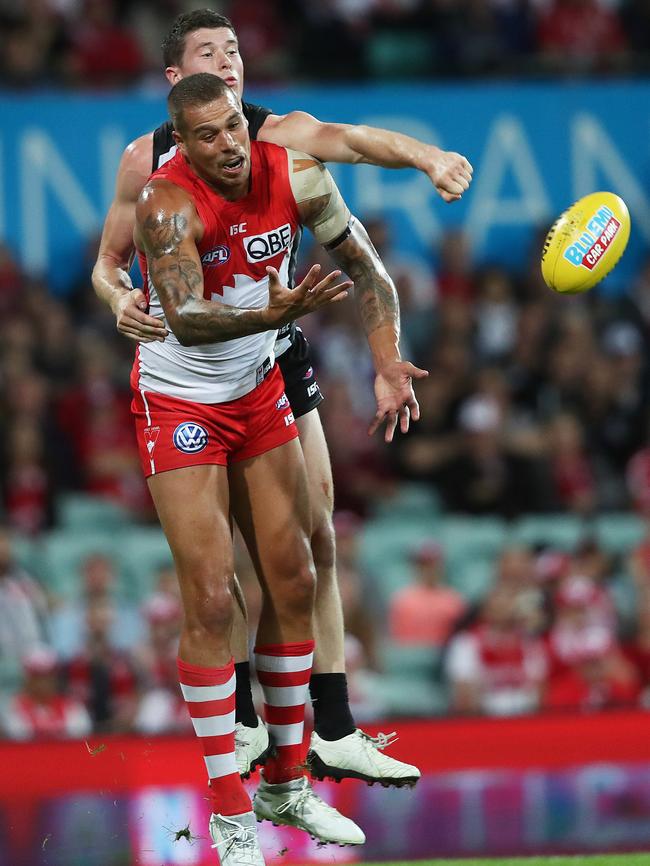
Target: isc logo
pixel 261 247
pixel 218 256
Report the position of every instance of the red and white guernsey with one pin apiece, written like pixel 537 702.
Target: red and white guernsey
pixel 240 240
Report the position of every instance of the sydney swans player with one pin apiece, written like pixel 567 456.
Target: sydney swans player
pixel 204 41
pixel 217 435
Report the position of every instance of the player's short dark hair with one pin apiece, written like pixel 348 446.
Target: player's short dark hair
pixel 173 45
pixel 196 89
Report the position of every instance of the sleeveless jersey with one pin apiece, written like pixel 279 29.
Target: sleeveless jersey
pixel 164 148
pixel 241 238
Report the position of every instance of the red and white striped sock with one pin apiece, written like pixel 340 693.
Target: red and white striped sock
pixel 283 671
pixel 210 697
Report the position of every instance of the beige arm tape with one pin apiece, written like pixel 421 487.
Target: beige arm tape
pixel 310 179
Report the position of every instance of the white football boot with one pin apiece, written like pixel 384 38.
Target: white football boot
pixel 296 804
pixel 359 756
pixel 235 838
pixel 252 747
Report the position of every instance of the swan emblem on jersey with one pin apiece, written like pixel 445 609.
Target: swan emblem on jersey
pixel 244 293
pixel 190 438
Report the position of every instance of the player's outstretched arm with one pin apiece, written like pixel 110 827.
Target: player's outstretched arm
pixel 450 173
pixel 323 210
pixel 110 276
pixel 168 229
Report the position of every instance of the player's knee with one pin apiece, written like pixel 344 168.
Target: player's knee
pixel 299 590
pixel 212 611
pixel 323 545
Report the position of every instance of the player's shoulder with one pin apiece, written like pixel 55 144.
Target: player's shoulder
pixel 301 161
pixel 161 193
pixel 138 154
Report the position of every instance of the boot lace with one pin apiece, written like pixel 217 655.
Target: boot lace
pixel 381 741
pixel 299 800
pixel 237 837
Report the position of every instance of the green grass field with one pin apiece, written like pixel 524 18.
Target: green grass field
pixel 603 860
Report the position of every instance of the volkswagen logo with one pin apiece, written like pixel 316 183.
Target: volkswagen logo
pixel 190 438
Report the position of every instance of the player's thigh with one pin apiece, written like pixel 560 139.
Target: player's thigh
pixel 270 501
pixel 193 505
pixel 319 466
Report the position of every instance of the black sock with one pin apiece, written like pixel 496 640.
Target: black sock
pixel 244 707
pixel 329 697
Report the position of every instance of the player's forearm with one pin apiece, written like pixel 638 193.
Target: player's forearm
pixel 110 281
pixel 389 149
pixel 178 279
pixel 374 293
pixel 197 322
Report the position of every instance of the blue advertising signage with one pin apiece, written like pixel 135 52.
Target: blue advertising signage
pixel 535 149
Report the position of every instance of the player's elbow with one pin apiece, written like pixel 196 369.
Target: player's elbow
pixel 183 332
pixel 180 326
pixel 185 327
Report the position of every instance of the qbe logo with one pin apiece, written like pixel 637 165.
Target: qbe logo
pixel 217 256
pixel 262 247
pixel 190 438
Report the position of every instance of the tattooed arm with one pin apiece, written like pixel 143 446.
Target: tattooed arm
pixel 168 229
pixel 323 210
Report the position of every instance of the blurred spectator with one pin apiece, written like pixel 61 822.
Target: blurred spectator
pixel 637 649
pixel 102 676
pixel 456 281
pixel 95 414
pixel 495 667
pixel 10 281
pixel 581 36
pixel 487 476
pixel 595 681
pixel 23 608
pixel 28 490
pixel 68 624
pixel 364 684
pixel 496 315
pixel 41 709
pixel 360 613
pixel 571 473
pixel 104 53
pixel 425 611
pixel 584 622
pixel 161 707
pixel 262 33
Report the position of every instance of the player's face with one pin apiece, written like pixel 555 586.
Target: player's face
pixel 211 50
pixel 216 143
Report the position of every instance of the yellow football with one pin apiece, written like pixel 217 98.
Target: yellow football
pixel 585 243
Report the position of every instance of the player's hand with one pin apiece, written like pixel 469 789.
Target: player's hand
pixel 133 321
pixel 311 294
pixel 395 397
pixel 450 173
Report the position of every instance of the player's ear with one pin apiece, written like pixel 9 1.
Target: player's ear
pixel 173 75
pixel 180 144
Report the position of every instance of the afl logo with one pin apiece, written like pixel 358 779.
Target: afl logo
pixel 218 256
pixel 190 438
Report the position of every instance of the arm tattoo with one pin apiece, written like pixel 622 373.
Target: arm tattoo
pixel 174 275
pixel 163 233
pixel 374 290
pixel 178 279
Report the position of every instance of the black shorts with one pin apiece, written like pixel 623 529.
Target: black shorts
pixel 300 383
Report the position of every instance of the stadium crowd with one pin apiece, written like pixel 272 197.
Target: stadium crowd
pixel 101 43
pixel 534 404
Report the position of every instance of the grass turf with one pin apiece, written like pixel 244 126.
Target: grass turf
pixel 602 860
